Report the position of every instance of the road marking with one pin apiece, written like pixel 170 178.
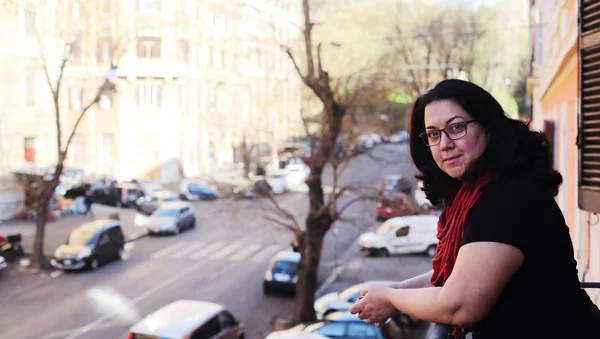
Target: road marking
pixel 168 250
pixel 189 250
pixel 141 297
pixel 226 250
pixel 264 253
pixel 205 251
pixel 245 253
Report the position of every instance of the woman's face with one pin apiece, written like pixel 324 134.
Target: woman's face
pixel 454 156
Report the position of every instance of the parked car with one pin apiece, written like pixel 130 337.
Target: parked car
pixel 90 245
pixel 3 263
pixel 197 190
pixel 399 137
pixel 421 198
pixel 341 301
pixel 188 319
pixel 411 234
pixel 148 186
pixel 282 273
pixel 277 182
pixel 341 325
pixel 149 203
pixel 395 183
pixel 171 217
pixel 296 173
pixel 252 189
pixel 394 198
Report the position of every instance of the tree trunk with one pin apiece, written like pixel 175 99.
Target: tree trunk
pixel 38 259
pixel 308 269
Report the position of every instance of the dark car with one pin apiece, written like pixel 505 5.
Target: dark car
pixel 282 273
pixel 90 245
pixel 149 203
pixel 171 218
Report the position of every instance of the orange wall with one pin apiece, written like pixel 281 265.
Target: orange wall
pixel 559 94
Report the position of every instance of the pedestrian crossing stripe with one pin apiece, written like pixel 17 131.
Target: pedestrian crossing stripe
pixel 167 250
pixel 237 251
pixel 189 250
pixel 207 250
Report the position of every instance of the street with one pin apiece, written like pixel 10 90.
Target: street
pixel 223 260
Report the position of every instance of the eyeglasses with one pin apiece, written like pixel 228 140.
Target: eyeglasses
pixel 453 131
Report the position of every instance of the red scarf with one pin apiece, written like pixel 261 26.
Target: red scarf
pixel 451 227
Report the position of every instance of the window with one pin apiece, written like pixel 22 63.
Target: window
pixel 30 14
pixel 361 330
pixel 75 11
pixel 77 151
pixel 104 50
pixel 76 52
pixel 149 6
pixel 209 329
pixel 549 131
pixel 184 97
pixel 148 47
pixel 212 99
pixel 149 95
pixel 228 319
pixel 588 139
pixel 181 5
pixel 29 149
pixel 106 6
pixel 333 329
pixel 30 90
pixel 184 50
pixel 105 102
pixel 212 18
pixel 75 94
pixel 402 231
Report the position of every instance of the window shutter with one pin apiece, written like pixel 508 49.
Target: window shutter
pixel 589 110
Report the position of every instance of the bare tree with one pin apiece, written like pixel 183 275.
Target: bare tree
pixel 438 45
pixel 42 188
pixel 337 98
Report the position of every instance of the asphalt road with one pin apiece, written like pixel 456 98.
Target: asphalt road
pixel 223 260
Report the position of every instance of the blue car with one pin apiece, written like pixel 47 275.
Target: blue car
pixel 197 190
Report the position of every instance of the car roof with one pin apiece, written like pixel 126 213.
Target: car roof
pixel 164 193
pixel 174 204
pixel 98 225
pixel 414 219
pixel 342 316
pixel 177 318
pixel 290 256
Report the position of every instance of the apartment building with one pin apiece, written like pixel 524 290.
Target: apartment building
pixel 562 85
pixel 194 77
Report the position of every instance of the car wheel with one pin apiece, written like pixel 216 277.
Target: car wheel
pixel 183 197
pixel 120 252
pixel 93 265
pixel 266 289
pixel 383 252
pixel 193 224
pixel 431 251
pixel 177 230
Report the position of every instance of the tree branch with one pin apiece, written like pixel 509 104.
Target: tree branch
pixel 285 213
pixel 310 76
pixel 352 201
pixel 289 53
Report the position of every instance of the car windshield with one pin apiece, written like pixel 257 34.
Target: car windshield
pixel 166 212
pixel 282 266
pixel 384 228
pixel 80 237
pixel 351 294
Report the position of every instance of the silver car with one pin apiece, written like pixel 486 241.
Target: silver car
pixel 171 218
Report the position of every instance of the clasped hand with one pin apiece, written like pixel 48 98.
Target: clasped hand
pixel 374 306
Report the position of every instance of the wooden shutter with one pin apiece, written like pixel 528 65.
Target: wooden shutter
pixel 589 110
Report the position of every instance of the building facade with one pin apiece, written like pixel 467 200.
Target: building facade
pixel 194 77
pixel 555 86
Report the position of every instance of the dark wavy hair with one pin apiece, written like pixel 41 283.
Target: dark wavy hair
pixel 513 149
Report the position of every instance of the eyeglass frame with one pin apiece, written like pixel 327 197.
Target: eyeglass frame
pixel 424 136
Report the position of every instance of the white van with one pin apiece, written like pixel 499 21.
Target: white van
pixel 401 235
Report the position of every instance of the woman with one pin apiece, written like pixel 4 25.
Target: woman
pixel 504 265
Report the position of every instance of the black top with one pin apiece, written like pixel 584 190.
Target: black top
pixel 543 299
